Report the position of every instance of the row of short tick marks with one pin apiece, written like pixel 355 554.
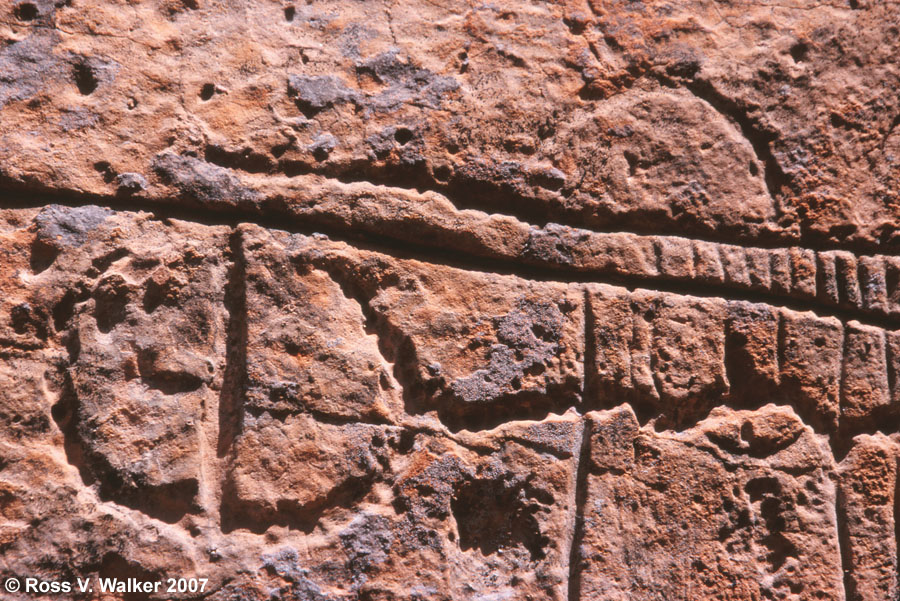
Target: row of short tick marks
pixel 835 278
pixel 863 286
pixel 680 356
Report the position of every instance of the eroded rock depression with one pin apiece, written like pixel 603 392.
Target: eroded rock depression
pixel 588 300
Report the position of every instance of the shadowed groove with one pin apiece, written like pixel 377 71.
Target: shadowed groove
pixel 497 264
pixel 231 399
pixel 581 493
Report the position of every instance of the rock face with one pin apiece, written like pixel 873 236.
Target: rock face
pixel 439 301
pixel 738 507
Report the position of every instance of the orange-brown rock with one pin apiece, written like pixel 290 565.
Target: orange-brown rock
pixel 440 301
pixel 867 506
pixel 738 507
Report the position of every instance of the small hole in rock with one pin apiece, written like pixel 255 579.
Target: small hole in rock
pixel 405 442
pixel 279 149
pixel 106 170
pixel 207 91
pixel 546 130
pixel 289 13
pixel 575 25
pixel 632 161
pixel 799 52
pixel 442 173
pixel 85 79
pixel 403 136
pixel 26 12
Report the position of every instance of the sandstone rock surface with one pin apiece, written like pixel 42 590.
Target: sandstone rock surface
pixel 443 300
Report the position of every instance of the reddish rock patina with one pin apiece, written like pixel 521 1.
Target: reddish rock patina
pixel 331 301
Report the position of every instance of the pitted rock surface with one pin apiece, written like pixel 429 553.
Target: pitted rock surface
pixel 451 301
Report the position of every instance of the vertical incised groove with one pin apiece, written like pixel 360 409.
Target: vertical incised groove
pixel 844 544
pixel 581 492
pixel 231 401
pixel 590 392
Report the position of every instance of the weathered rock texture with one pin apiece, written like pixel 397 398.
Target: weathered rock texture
pixel 441 301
